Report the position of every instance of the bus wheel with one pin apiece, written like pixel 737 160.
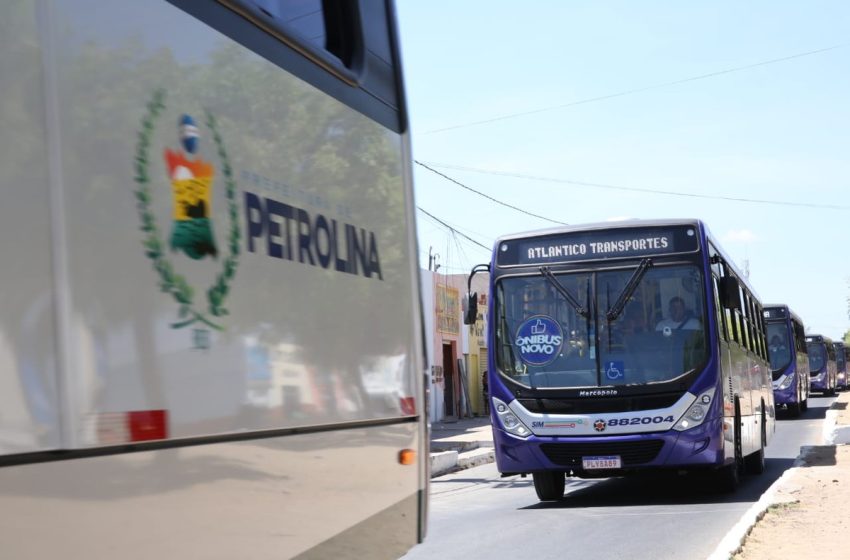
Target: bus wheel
pixel 754 463
pixel 549 485
pixel 794 409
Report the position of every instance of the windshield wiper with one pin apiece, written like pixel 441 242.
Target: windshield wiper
pixel 627 292
pixel 547 274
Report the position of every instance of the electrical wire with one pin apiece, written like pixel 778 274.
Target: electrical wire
pixel 488 197
pixel 643 190
pixel 636 90
pixel 453 230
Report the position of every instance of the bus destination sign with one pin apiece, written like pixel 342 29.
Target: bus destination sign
pixel 775 313
pixel 615 243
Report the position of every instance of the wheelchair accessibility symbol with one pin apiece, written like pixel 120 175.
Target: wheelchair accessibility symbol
pixel 614 370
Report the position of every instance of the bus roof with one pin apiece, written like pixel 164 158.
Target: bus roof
pixel 634 223
pixel 818 338
pixel 599 226
pixel 784 306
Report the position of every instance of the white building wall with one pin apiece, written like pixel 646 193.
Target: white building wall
pixel 435 403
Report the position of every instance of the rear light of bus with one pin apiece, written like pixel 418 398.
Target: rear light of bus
pixel 509 420
pixel 696 413
pixel 115 428
pixel 408 405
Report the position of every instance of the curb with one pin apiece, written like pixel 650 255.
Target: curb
pixel 734 539
pixel 443 462
pixel 475 458
pixel 733 542
pixel 830 426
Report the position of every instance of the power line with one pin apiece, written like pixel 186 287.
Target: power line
pixel 497 201
pixel 637 90
pixel 643 190
pixel 453 230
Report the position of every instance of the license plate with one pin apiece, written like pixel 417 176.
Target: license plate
pixel 602 462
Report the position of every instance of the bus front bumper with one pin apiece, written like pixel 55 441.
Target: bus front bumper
pixel 820 382
pixel 700 447
pixel 786 396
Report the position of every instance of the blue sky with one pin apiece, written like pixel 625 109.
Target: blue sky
pixel 776 132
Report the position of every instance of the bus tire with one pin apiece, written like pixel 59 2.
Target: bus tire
pixel 549 485
pixel 794 409
pixel 754 462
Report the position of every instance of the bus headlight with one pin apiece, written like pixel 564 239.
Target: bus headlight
pixel 786 382
pixel 696 413
pixel 509 420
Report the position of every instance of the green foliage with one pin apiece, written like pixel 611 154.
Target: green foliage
pixel 276 126
pixel 171 282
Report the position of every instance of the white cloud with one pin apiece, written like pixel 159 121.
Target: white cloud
pixel 742 235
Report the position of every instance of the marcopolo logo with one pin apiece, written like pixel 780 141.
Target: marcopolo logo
pixel 190 181
pixel 539 340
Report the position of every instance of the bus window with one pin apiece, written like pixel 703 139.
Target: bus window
pixel 722 325
pixel 317 27
pixel 779 350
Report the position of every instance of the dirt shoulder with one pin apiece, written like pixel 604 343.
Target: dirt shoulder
pixel 813 514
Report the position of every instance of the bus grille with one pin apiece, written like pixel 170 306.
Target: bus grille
pixel 631 452
pixel 601 405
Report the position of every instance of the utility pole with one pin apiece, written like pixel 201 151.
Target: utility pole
pixel 432 260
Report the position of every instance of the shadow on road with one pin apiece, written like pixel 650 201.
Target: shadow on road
pixel 817 410
pixel 508 482
pixel 663 489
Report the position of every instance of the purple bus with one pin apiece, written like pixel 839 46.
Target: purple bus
pixel 841 381
pixel 846 362
pixel 789 363
pixel 617 348
pixel 823 373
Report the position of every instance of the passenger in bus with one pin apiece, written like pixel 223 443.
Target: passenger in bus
pixel 680 318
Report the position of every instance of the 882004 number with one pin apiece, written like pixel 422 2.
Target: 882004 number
pixel 640 420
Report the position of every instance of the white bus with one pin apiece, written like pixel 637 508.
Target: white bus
pixel 210 323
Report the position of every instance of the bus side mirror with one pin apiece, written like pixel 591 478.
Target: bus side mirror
pixel 730 293
pixel 470 308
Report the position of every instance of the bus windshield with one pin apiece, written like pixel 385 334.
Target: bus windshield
pixel 545 340
pixel 817 357
pixel 778 347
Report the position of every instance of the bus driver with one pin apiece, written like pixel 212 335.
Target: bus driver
pixel 679 317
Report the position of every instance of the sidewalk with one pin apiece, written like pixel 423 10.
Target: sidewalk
pixel 804 514
pixel 465 443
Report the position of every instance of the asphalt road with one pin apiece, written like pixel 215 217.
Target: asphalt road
pixel 476 514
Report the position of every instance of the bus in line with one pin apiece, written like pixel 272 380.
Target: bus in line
pixel 624 347
pixel 210 320
pixel 789 363
pixel 841 381
pixel 823 370
pixel 846 351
